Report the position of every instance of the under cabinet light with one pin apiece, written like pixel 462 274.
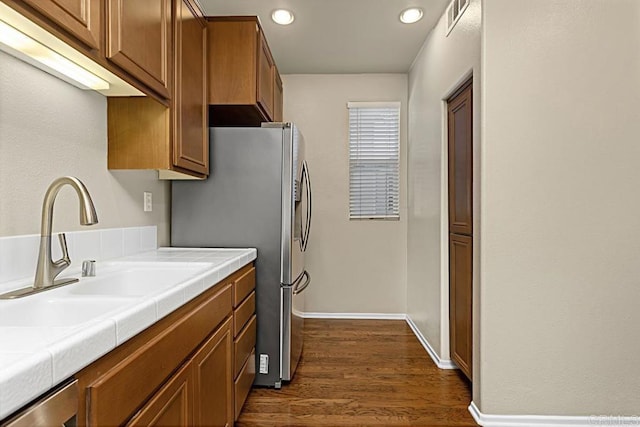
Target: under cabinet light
pixel 24 47
pixel 282 16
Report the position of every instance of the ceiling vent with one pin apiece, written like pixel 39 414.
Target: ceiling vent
pixel 454 12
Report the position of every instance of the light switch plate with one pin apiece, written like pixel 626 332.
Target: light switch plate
pixel 148 201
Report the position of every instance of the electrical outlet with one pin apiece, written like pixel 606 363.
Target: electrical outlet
pixel 148 201
pixel 264 364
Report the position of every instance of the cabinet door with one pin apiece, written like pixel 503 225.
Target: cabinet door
pixel 265 77
pixel 213 398
pixel 277 97
pixel 139 40
pixel 232 48
pixel 81 18
pixel 191 137
pixel 172 405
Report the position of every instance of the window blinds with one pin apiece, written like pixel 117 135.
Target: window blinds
pixel 374 160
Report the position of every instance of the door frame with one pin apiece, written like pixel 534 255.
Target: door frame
pixel 445 345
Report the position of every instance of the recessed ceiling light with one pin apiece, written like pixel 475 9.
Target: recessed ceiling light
pixel 411 15
pixel 282 16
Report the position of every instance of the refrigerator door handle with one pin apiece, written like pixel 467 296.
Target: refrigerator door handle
pixel 299 288
pixel 305 174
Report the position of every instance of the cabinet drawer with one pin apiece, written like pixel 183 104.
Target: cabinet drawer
pixel 114 396
pixel 243 345
pixel 243 286
pixel 244 382
pixel 243 314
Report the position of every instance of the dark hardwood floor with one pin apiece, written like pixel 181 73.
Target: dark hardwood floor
pixel 362 373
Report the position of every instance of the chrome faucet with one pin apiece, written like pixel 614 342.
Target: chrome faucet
pixel 47 269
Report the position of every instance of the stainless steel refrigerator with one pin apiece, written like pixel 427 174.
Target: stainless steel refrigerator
pixel 257 195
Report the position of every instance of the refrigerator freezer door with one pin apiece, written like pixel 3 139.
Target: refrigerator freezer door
pixel 292 326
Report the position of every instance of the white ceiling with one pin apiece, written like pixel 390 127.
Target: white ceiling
pixel 339 36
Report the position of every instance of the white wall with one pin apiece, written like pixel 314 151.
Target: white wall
pixel 48 129
pixel 441 66
pixel 561 207
pixel 357 266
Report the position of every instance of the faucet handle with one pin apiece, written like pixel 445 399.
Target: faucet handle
pixel 89 268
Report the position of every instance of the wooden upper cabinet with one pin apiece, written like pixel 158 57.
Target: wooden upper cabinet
pixel 81 18
pixel 277 97
pixel 190 135
pixel 145 134
pixel 139 40
pixel 242 72
pixel 265 76
pixel 232 48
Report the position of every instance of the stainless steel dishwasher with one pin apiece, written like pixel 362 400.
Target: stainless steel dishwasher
pixel 58 407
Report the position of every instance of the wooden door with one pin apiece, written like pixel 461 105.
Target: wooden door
pixel 460 151
pixel 265 77
pixel 171 406
pixel 191 135
pixel 81 18
pixel 139 40
pixel 213 381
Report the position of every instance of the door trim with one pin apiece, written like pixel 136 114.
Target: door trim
pixel 457 85
pixel 458 230
pixel 444 214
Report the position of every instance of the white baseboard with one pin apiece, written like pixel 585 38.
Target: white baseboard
pixel 361 316
pixel 488 420
pixel 441 363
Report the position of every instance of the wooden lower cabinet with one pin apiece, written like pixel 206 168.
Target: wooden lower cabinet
pixel 213 392
pixel 178 372
pixel 172 405
pixel 200 394
pixel 244 337
pixel 243 383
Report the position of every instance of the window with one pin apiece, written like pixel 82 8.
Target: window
pixel 374 160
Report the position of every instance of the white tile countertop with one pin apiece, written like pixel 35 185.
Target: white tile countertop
pixel 34 359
